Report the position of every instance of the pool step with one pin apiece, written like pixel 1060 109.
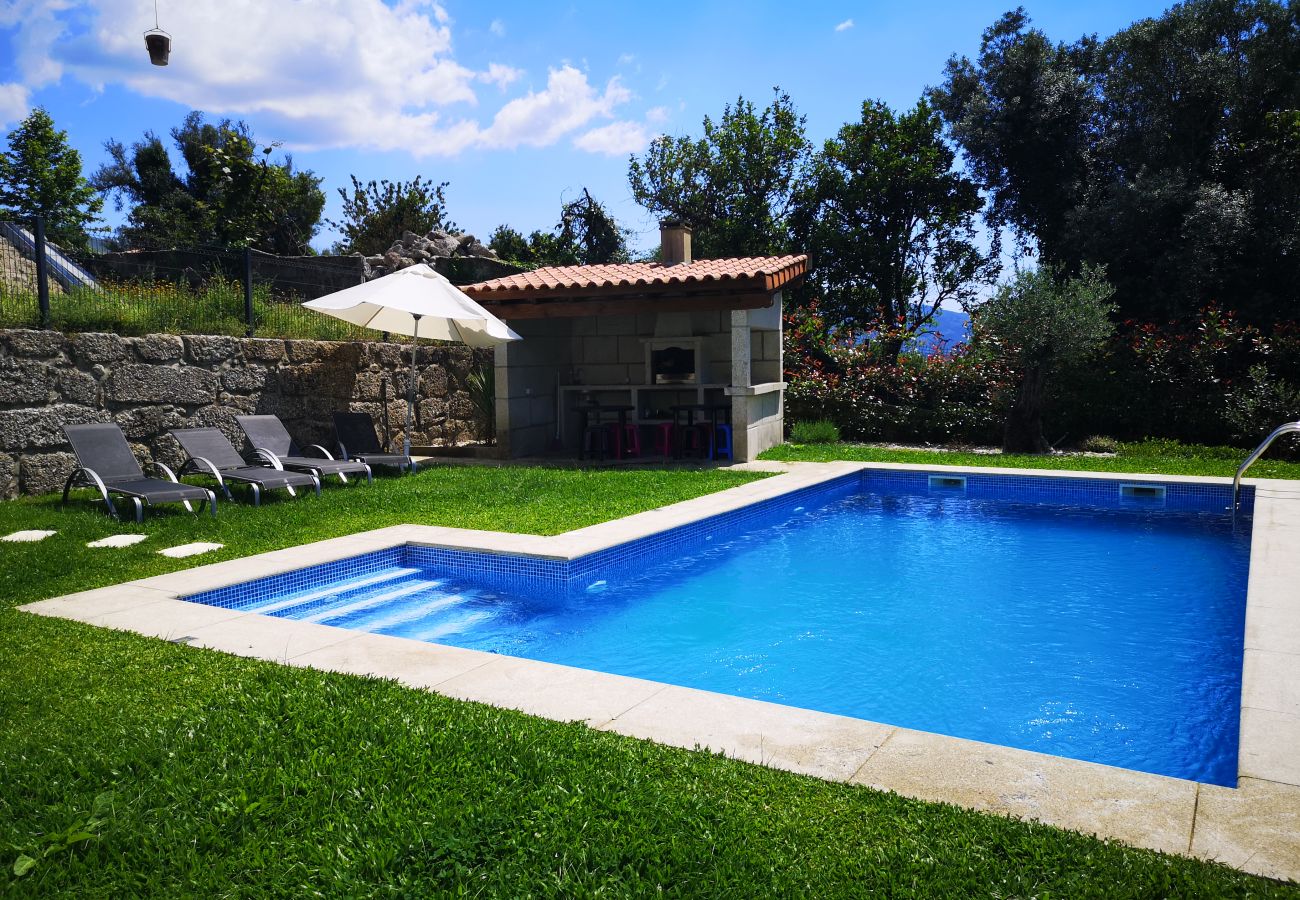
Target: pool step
pixel 293 606
pixel 342 615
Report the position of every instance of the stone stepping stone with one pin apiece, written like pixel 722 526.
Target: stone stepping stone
pixel 118 540
pixel 27 537
pixel 190 549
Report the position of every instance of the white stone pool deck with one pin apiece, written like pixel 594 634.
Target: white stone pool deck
pixel 1254 827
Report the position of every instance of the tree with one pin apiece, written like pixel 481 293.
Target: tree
pixel 1025 114
pixel 586 235
pixel 1044 324
pixel 734 185
pixel 1170 152
pixel 377 213
pixel 230 195
pixel 40 175
pixel 890 226
pixel 593 233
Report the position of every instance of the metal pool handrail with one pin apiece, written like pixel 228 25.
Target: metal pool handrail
pixel 1288 428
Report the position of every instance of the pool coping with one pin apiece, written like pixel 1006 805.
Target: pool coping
pixel 1254 827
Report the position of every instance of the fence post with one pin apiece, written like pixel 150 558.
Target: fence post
pixel 248 289
pixel 42 272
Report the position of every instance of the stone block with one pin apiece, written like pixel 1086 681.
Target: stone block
pixel 243 381
pixel 221 416
pixel 75 386
pixel 386 355
pixel 210 349
pixel 23 430
pixel 159 348
pixel 32 344
pixel 143 383
pixel 8 476
pixel 306 351
pixel 367 386
pixel 599 351
pixel 771 345
pixel 94 347
pixel 433 382
pixel 145 424
pixel 459 406
pixel 25 382
pixel 262 350
pixel 631 351
pixel 42 473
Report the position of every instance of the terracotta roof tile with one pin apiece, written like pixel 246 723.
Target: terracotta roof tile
pixel 761 272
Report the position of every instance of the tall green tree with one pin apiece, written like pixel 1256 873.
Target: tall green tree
pixel 890 226
pixel 40 175
pixel 1168 152
pixel 586 235
pixel 734 185
pixel 376 213
pixel 1044 324
pixel 1025 113
pixel 229 194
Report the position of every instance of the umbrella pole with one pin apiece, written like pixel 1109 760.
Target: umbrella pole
pixel 410 392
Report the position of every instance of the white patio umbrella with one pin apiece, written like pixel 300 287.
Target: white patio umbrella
pixel 419 302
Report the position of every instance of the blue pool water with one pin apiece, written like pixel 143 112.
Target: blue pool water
pixel 1106 634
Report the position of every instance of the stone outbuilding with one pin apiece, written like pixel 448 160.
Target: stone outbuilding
pixel 650 336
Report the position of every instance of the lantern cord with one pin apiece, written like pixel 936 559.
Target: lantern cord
pixel 155 13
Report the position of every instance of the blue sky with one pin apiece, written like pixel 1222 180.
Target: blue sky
pixel 518 105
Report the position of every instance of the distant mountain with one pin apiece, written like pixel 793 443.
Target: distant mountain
pixel 950 326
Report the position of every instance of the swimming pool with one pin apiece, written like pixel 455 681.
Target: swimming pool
pixel 1091 619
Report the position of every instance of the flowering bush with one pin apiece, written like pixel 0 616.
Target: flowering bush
pixel 950 397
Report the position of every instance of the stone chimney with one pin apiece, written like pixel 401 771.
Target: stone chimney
pixel 674 242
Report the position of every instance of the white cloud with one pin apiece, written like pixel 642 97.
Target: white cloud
pixel 845 25
pixel 614 139
pixel 314 74
pixel 13 103
pixel 626 58
pixel 543 117
pixel 498 28
pixel 500 75
pixel 658 114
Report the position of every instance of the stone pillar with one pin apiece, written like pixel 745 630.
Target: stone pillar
pixel 740 378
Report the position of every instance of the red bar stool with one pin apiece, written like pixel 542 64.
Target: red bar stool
pixel 662 435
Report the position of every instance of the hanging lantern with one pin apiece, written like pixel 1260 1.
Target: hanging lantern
pixel 158 42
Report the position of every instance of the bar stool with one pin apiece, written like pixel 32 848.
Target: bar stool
pixel 662 436
pixel 630 443
pixel 722 442
pixel 595 440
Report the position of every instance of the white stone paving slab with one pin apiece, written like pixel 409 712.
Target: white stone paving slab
pixel 29 536
pixel 799 740
pixel 413 663
pixel 118 540
pixel 193 549
pixel 562 693
pixel 265 637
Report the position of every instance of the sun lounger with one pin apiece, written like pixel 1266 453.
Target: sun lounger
pixel 106 464
pixel 273 442
pixel 211 453
pixel 358 440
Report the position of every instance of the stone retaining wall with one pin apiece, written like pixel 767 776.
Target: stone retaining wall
pixel 150 384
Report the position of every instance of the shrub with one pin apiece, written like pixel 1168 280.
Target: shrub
pixel 952 397
pixel 1099 443
pixel 820 432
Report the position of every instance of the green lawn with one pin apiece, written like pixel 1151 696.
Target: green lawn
pixel 1155 457
pixel 131 766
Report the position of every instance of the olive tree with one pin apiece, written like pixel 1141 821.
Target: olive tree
pixel 1044 324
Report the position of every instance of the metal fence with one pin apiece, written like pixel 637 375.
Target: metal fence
pixel 180 291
